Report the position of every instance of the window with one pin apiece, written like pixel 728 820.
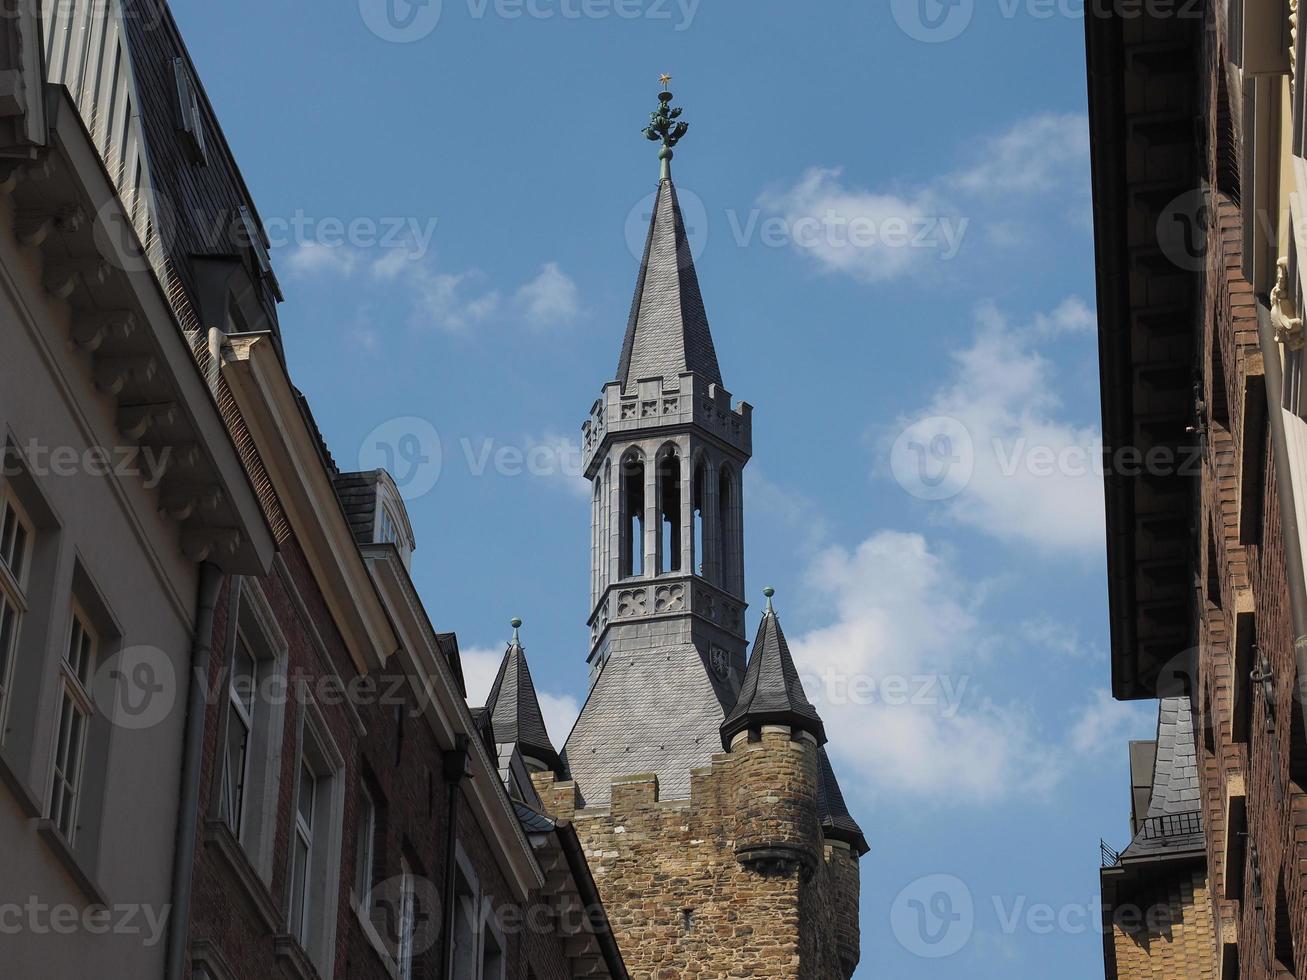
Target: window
pixel 302 868
pixel 15 541
pixel 466 918
pixel 386 532
pixel 75 709
pixel 699 563
pixel 669 518
pixel 632 529
pixel 314 862
pixel 365 852
pixel 242 685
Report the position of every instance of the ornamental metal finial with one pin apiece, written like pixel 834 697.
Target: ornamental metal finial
pixel 769 592
pixel 663 126
pixel 517 635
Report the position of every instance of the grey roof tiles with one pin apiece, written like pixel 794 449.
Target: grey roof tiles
pixel 650 711
pixel 667 334
pixel 515 709
pixel 772 693
pixel 836 821
pixel 1174 821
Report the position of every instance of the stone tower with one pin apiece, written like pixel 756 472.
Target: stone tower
pixel 696 778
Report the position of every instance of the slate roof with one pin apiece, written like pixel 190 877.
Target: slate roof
pixel 836 821
pixel 651 711
pixel 358 498
pixel 667 334
pixel 448 643
pixel 515 709
pixel 1174 821
pixel 772 693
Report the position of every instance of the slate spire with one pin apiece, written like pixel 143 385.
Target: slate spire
pixel 667 334
pixel 514 707
pixel 772 693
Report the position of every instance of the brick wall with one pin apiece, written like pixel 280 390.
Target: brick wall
pixel 396 754
pixel 1178 944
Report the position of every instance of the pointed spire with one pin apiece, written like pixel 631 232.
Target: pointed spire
pixel 836 821
pixel 772 693
pixel 667 334
pixel 514 707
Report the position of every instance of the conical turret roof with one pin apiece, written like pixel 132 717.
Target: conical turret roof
pixel 772 693
pixel 514 707
pixel 836 821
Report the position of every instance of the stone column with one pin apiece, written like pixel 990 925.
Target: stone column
pixel 712 555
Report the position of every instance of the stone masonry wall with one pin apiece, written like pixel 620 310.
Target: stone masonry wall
pixel 681 902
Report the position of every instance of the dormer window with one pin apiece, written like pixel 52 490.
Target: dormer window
pixel 387 532
pixel 390 519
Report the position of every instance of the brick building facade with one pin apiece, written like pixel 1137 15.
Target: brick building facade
pixel 224 705
pixel 1197 156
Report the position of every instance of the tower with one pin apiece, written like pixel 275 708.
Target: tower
pixel 697 780
pixel 665 450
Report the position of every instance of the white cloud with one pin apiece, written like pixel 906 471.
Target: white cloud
pixel 890 676
pixel 1037 476
pixel 446 301
pixel 877 235
pixel 481 664
pixel 1033 156
pixel 549 299
pixel 1105 725
pixel 852 230
pixel 1071 316
pixel 1044 635
pixel 313 258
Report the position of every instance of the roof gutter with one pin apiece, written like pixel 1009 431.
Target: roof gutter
pixel 589 891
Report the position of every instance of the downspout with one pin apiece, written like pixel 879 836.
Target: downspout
pixel 455 768
pixel 183 858
pixel 1284 486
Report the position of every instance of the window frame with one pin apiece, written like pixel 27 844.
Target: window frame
pixel 74 697
pixel 249 717
pixel 303 835
pixel 317 750
pixel 365 851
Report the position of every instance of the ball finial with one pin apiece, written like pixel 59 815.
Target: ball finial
pixel 516 624
pixel 769 592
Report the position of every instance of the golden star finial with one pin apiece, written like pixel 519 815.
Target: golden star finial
pixel 666 80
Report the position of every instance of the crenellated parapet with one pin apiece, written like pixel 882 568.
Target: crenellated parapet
pixel 653 406
pixel 745 851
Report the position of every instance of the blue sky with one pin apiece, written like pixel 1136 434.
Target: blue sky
pixel 894 239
